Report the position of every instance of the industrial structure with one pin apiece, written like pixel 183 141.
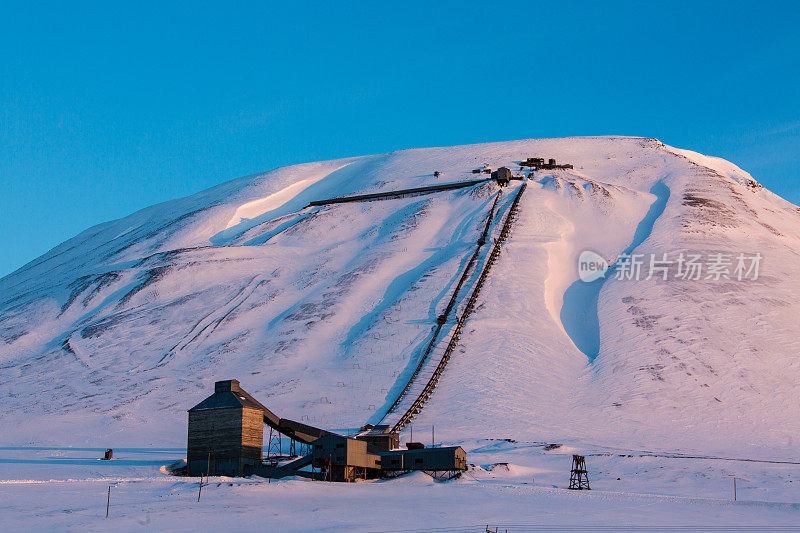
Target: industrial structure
pixel 226 437
pixel 537 163
pixel 578 475
pixel 502 175
pixel 226 430
pixel 226 433
pixel 402 193
pixel 379 438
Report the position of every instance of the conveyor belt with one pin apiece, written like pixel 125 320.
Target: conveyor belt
pixel 442 319
pixel 294 430
pixel 396 194
pixel 408 414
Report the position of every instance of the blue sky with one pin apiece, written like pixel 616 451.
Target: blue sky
pixel 109 107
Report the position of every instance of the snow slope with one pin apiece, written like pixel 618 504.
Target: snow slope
pixel 322 312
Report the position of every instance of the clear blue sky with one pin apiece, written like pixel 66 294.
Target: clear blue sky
pixel 109 107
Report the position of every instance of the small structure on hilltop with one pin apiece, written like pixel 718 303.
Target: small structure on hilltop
pixel 226 433
pixel 537 163
pixel 502 175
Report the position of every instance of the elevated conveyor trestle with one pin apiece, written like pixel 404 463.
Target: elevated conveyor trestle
pixel 427 391
pixel 294 430
pixel 399 193
pixel 443 318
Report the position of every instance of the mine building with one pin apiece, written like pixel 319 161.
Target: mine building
pixel 502 175
pixel 533 161
pixel 226 438
pixel 448 458
pixel 537 163
pixel 339 458
pixel 226 433
pixel 379 438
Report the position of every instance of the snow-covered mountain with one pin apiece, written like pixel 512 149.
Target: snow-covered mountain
pixel 323 312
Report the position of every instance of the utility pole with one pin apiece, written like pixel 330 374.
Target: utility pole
pixel 433 436
pixel 108 500
pixel 734 488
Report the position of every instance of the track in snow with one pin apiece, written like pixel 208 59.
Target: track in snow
pixel 209 323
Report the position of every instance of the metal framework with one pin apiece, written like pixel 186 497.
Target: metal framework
pixel 578 476
pixel 274 446
pixel 443 475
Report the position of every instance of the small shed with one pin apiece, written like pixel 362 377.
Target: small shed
pixel 226 433
pixel 502 175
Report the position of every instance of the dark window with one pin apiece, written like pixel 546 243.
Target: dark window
pixel 418 460
pixel 340 445
pixel 340 458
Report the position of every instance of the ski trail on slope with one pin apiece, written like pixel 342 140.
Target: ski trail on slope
pixel 579 311
pixel 206 326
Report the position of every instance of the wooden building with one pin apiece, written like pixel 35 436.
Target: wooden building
pixel 537 163
pixel 339 458
pixel 502 175
pixel 226 438
pixel 449 458
pixel 226 433
pixel 379 438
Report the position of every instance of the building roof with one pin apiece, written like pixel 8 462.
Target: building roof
pixel 374 431
pixel 228 394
